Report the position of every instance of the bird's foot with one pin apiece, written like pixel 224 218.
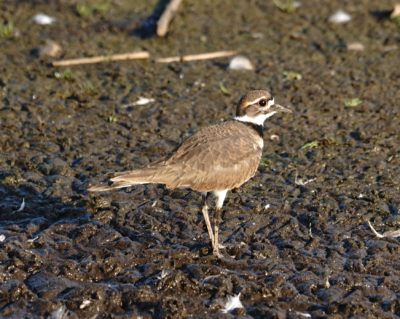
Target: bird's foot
pixel 217 254
pixel 216 250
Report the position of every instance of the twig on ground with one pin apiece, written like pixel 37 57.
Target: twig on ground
pixel 31 240
pixel 104 58
pixel 196 57
pixel 144 55
pixel 390 233
pixel 167 16
pixel 301 182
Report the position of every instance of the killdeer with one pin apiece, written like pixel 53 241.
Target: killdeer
pixel 214 160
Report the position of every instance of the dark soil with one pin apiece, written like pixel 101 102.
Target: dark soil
pixel 144 251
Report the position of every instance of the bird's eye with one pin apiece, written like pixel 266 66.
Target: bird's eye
pixel 262 102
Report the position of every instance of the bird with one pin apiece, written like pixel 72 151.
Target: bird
pixel 214 160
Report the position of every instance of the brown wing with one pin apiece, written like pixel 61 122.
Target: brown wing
pixel 218 157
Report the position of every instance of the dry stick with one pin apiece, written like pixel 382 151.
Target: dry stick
pixel 104 58
pixel 390 233
pixel 374 231
pixel 167 16
pixel 196 57
pixel 396 11
pixel 144 55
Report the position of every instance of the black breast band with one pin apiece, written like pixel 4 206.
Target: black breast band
pixel 258 128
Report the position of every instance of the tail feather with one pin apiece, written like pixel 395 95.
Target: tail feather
pixel 140 176
pixel 107 188
pixel 130 178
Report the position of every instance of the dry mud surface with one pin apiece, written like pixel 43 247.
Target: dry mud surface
pixel 297 251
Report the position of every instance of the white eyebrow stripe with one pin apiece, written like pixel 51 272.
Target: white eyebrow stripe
pixel 271 99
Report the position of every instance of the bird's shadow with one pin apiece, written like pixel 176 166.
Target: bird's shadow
pixel 21 205
pixel 24 209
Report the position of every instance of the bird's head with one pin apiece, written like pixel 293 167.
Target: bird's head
pixel 256 106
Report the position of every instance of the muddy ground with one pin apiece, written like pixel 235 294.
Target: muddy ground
pixel 296 235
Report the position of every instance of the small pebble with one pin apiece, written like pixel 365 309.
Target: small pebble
pixel 84 304
pixel 388 48
pixel 143 101
pixel 355 46
pixel 2 237
pixel 257 35
pixel 43 19
pixel 51 49
pixel 275 138
pixel 240 62
pixel 327 283
pixel 340 17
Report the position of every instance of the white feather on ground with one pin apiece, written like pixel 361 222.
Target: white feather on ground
pixel 340 17
pixel 232 303
pixel 43 19
pixel 60 313
pixel 21 207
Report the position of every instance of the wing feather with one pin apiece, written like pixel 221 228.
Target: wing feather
pixel 218 157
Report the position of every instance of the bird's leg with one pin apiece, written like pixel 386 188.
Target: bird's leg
pixel 217 219
pixel 207 218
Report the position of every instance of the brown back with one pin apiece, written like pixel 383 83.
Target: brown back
pixel 218 157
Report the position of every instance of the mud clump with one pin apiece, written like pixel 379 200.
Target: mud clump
pixel 297 240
